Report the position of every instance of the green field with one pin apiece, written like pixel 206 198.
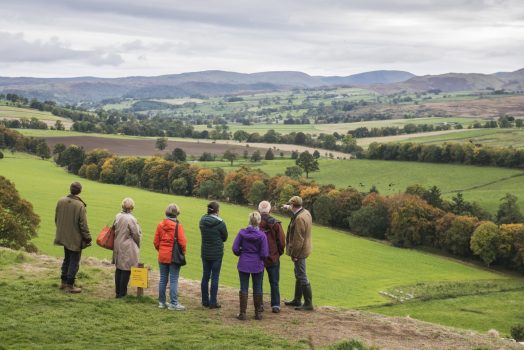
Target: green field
pixel 487 137
pixel 485 185
pixel 345 270
pixel 18 113
pixel 341 128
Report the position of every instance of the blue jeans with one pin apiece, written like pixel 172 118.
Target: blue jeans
pixel 211 270
pixel 168 272
pixel 257 281
pixel 273 274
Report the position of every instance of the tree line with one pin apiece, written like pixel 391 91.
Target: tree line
pixel 458 153
pixel 418 217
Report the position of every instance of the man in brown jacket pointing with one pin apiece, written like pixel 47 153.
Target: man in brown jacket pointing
pixel 72 232
pixel 298 247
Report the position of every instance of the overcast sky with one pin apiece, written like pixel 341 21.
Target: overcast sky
pixel 112 38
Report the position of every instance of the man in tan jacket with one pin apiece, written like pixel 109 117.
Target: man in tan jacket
pixel 72 232
pixel 299 247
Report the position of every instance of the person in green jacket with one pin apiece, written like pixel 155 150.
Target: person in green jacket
pixel 214 233
pixel 72 232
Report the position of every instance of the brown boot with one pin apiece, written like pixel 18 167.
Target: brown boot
pixel 257 301
pixel 243 305
pixel 63 285
pixel 70 288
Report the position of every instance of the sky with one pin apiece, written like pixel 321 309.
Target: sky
pixel 116 38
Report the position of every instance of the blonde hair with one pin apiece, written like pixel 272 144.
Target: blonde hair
pixel 172 210
pixel 128 204
pixel 254 219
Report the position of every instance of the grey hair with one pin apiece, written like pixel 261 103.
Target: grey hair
pixel 254 219
pixel 172 210
pixel 264 207
pixel 128 204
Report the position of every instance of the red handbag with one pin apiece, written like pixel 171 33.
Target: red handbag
pixel 106 237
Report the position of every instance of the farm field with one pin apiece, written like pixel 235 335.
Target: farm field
pixel 341 128
pixel 487 137
pixel 345 270
pixel 485 185
pixel 19 113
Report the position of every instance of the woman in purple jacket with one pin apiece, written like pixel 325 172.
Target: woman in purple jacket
pixel 251 246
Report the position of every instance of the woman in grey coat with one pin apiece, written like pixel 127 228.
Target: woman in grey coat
pixel 127 246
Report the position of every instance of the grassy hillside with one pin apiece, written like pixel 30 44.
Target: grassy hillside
pixel 485 185
pixel 487 137
pixel 345 270
pixel 18 113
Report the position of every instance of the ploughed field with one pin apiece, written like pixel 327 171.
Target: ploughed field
pixel 146 147
pixel 345 270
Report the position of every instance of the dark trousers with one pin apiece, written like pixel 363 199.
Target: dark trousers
pixel 121 281
pixel 211 270
pixel 70 266
pixel 273 274
pixel 300 271
pixel 257 281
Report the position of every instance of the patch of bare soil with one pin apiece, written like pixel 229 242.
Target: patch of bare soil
pixel 131 147
pixel 324 326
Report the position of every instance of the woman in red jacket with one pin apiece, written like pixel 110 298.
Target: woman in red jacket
pixel 169 271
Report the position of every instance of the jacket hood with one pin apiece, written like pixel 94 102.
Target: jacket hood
pixel 168 224
pixel 250 234
pixel 210 220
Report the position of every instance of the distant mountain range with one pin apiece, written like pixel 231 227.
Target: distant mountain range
pixel 217 83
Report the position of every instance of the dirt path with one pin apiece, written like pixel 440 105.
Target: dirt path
pixel 325 326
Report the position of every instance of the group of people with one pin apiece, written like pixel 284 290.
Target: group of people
pixel 258 246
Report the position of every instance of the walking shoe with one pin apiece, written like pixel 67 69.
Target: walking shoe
pixel 215 306
pixel 275 309
pixel 176 307
pixel 69 288
pixel 162 305
pixel 62 285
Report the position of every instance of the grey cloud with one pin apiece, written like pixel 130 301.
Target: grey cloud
pixel 15 48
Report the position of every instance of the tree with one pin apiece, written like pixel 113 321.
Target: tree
pixel 72 157
pixel 230 156
pixel 316 154
pixel 509 211
pixel 370 221
pixel 256 157
pixel 179 155
pixel 42 150
pixel 322 209
pixel 59 125
pixel 300 138
pixel 257 193
pixel 206 157
pixel 519 123
pixel 240 136
pixel 294 154
pixel 59 148
pixel 269 155
pixel 306 161
pixel 18 222
pixel 457 236
pixel 294 171
pixel 1 155
pixel 484 242
pixel 234 193
pixel 161 143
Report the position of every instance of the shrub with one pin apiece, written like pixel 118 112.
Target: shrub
pixel 1 155
pixel 18 222
pixel 517 332
pixel 370 221
pixel 179 186
pixel 322 209
pixel 412 221
pixel 456 238
pixel 294 171
pixel 352 344
pixel 484 242
pixel 257 193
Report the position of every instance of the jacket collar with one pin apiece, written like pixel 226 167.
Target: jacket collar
pixel 72 196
